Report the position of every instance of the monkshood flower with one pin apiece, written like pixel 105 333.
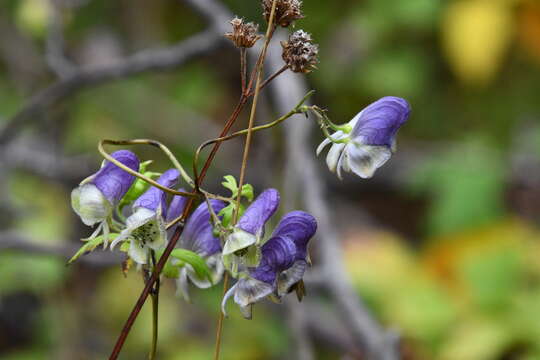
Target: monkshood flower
pixel 198 236
pixel 300 227
pixel 250 228
pixel 95 198
pixel 283 258
pixel 370 141
pixel 278 254
pixel 145 227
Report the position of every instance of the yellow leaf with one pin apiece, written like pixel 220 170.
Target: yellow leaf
pixel 476 35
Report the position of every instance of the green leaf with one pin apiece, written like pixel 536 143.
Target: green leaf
pixel 90 246
pixel 247 192
pixel 139 186
pixel 230 183
pixel 193 259
pixel 171 271
pixel 227 214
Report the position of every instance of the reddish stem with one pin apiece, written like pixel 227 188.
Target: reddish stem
pixel 172 243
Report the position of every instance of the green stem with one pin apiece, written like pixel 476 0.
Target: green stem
pixel 136 173
pixel 298 109
pixel 258 73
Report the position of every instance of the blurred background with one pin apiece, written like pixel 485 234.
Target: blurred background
pixel 442 245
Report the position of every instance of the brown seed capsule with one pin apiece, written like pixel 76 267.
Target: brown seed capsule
pixel 287 11
pixel 244 35
pixel 299 53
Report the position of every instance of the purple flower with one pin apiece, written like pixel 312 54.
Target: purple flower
pixel 145 227
pixel 198 236
pixel 177 206
pixel 282 264
pixel 371 141
pixel 95 198
pixel 250 227
pixel 300 227
pixel 278 254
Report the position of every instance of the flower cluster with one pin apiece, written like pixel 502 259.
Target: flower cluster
pixel 264 267
pixel 279 263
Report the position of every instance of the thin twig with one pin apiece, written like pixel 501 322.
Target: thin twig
pixel 136 173
pixel 274 75
pixel 160 146
pixel 155 312
pixel 297 110
pixel 259 72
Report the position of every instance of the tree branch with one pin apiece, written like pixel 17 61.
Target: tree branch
pixel 144 61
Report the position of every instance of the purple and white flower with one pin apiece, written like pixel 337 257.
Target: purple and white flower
pixel 283 258
pixel 96 197
pixel 250 228
pixel 371 141
pixel 278 254
pixel 145 227
pixel 299 226
pixel 199 237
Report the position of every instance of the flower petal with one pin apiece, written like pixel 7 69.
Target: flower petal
pixel 137 252
pixel 258 213
pixel 322 145
pixel 363 160
pixel 112 181
pixel 182 285
pixel 333 156
pixel 238 240
pixel 216 268
pixel 379 122
pixel 290 277
pixel 298 226
pixel 250 290
pixel 278 254
pixel 90 204
pixel 176 207
pixel 154 197
pixel 198 234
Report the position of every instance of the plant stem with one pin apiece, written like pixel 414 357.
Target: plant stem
pixel 174 239
pixel 243 68
pixel 160 146
pixel 155 313
pixel 136 173
pixel 273 76
pixel 219 330
pixel 259 74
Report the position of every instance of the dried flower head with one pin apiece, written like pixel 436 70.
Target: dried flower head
pixel 244 35
pixel 287 11
pixel 299 53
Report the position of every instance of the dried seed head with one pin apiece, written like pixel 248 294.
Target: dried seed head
pixel 299 53
pixel 287 11
pixel 244 35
